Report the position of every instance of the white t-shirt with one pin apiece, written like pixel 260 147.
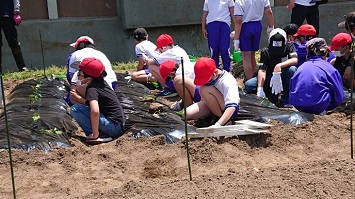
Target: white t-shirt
pixel 146 47
pixel 218 10
pixel 304 2
pixel 250 10
pixel 175 54
pixel 79 55
pixel 228 86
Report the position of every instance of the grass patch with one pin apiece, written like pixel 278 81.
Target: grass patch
pixel 58 71
pixel 124 66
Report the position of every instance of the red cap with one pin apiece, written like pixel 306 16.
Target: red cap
pixel 340 40
pixel 306 30
pixel 165 68
pixel 164 40
pixel 81 39
pixel 204 69
pixel 92 67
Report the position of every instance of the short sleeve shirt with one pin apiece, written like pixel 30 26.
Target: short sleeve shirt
pixel 268 62
pixel 109 104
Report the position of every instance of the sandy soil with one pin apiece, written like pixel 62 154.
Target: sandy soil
pixel 311 160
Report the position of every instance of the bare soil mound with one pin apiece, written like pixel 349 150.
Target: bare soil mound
pixel 311 160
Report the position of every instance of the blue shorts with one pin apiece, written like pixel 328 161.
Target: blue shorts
pixel 197 96
pixel 171 86
pixel 250 36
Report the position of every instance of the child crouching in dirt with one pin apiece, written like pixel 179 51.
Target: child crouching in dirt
pixel 168 72
pixel 219 93
pixel 103 117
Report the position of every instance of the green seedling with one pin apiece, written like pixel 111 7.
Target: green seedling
pixel 51 131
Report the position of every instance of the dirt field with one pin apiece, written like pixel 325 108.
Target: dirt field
pixel 311 160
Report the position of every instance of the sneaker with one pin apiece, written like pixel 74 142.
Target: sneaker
pixel 176 106
pixel 166 93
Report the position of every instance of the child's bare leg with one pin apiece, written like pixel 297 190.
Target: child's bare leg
pixel 247 64
pixel 189 89
pixel 197 111
pixel 154 70
pixel 141 76
pixel 213 99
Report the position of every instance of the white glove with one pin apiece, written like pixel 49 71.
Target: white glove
pixel 276 83
pixel 260 92
pixel 236 45
pixel 269 29
pixel 215 125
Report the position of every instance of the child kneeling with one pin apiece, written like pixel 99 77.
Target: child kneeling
pixel 219 93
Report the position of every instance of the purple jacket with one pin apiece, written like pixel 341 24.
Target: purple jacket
pixel 316 87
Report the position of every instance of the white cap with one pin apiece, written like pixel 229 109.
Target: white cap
pixel 82 39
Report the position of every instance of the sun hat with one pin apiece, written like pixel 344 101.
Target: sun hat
pixel 82 39
pixel 164 40
pixel 339 40
pixel 316 44
pixel 165 68
pixel 204 69
pixel 277 41
pixel 306 30
pixel 92 67
pixel 139 33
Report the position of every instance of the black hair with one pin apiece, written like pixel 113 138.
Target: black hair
pixel 141 38
pixel 290 29
pixel 85 44
pixel 307 37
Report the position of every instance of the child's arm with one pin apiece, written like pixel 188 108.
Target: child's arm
pixel 291 5
pixel 270 19
pixel 287 63
pixel 94 116
pixel 231 11
pixel 228 113
pixel 203 23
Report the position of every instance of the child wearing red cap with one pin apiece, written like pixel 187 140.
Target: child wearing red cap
pixel 219 93
pixel 169 51
pixel 84 47
pixel 305 33
pixel 103 117
pixel 168 72
pixel 341 47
